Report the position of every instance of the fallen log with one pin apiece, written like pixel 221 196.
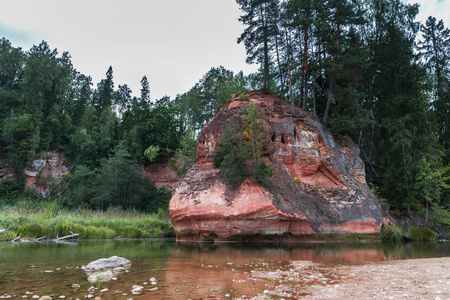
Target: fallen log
pixel 40 239
pixel 72 235
pixel 16 239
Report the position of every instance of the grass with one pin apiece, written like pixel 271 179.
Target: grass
pixel 52 221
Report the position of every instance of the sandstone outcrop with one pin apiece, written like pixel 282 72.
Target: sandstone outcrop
pixel 41 174
pixel 318 186
pixel 161 174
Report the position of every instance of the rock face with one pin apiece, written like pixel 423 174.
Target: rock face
pixel 44 172
pixel 161 174
pixel 318 185
pixel 41 174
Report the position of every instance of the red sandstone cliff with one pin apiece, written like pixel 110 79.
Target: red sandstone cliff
pixel 318 187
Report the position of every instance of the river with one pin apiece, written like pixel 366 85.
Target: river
pixel 182 271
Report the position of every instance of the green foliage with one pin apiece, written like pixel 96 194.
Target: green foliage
pixel 241 150
pixel 422 234
pixel 233 155
pixel 185 156
pixel 89 224
pixel 118 182
pixel 151 153
pixel 391 233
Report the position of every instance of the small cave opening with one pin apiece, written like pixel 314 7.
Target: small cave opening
pixel 273 138
pixel 282 140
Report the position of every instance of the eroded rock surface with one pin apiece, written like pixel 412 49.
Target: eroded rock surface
pixel 318 187
pixel 161 174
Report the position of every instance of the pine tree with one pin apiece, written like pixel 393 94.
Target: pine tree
pixel 260 19
pixel 435 47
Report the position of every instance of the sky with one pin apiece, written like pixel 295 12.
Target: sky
pixel 173 42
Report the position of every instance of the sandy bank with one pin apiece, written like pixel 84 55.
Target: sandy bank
pixel 402 279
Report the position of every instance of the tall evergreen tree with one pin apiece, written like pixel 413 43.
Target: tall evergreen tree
pixel 260 19
pixel 105 91
pixel 435 47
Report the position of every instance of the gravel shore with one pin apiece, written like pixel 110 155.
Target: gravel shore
pixel 401 279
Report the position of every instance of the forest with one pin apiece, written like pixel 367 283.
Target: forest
pixel 366 68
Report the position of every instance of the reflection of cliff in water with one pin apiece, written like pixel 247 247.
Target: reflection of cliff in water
pixel 198 270
pixel 328 253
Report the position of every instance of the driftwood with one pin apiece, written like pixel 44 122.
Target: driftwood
pixel 40 239
pixel 17 238
pixel 72 235
pixel 2 231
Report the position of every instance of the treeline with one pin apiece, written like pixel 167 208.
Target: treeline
pixel 103 131
pixel 370 70
pixel 366 68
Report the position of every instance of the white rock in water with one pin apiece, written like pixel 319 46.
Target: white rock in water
pixel 92 278
pixel 105 263
pixel 136 289
pixel 153 279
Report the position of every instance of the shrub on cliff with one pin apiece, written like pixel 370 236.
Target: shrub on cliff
pixel 241 150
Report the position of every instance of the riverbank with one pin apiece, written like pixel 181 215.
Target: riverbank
pixel 52 222
pixel 427 278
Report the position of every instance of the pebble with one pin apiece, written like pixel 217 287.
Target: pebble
pixel 104 290
pixel 227 295
pixel 46 297
pixel 153 289
pixel 35 297
pixel 153 279
pixel 62 297
pixel 75 286
pixel 266 292
pixel 136 289
pixel 154 283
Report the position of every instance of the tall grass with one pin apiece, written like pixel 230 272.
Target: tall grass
pixel 53 221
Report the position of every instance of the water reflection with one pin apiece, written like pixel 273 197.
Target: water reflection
pixel 183 270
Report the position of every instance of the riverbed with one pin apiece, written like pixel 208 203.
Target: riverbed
pixel 198 271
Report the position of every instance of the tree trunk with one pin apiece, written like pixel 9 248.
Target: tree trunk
pixel 329 98
pixel 305 67
pixel 279 68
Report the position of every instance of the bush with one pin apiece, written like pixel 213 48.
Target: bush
pixel 391 234
pixel 421 233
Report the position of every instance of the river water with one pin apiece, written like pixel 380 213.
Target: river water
pixel 182 271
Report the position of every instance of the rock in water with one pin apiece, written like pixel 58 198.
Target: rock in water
pixel 104 269
pixel 318 185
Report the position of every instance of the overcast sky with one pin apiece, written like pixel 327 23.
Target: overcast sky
pixel 173 42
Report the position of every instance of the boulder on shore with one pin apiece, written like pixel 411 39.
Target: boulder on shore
pixel 318 185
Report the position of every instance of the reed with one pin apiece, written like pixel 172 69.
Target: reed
pixel 52 221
